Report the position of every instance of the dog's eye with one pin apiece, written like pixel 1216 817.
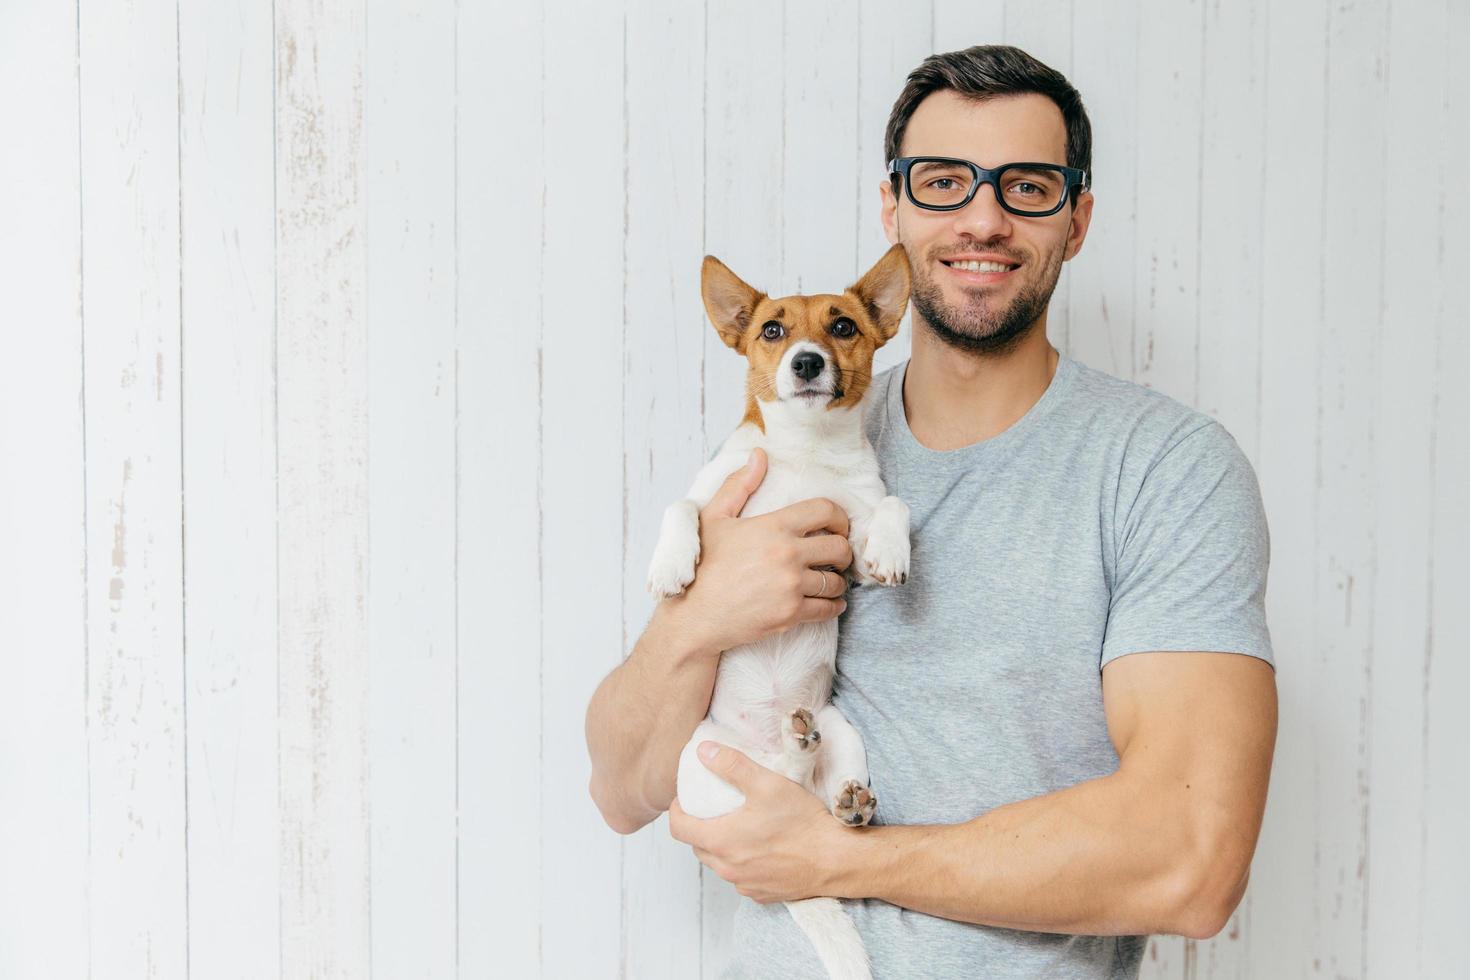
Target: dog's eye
pixel 772 330
pixel 843 327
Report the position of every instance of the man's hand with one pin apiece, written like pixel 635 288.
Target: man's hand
pixel 756 576
pixel 778 847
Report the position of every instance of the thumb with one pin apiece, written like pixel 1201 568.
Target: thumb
pixel 731 765
pixel 730 499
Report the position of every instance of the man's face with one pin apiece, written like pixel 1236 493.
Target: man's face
pixel 985 311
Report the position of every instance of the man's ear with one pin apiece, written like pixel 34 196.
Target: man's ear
pixel 729 302
pixel 884 291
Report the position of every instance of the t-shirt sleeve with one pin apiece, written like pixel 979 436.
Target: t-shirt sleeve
pixel 1191 555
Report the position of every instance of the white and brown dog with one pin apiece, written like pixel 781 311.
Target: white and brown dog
pixel 810 364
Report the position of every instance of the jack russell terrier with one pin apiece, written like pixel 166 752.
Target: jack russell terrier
pixel 810 364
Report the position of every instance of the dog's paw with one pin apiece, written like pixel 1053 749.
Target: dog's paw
pixel 854 804
pixel 677 552
pixel 885 555
pixel 799 732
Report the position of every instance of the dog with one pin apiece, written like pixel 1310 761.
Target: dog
pixel 810 364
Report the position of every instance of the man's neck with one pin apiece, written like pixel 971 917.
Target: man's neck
pixel 954 398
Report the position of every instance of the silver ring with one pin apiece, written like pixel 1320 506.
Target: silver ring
pixel 822 592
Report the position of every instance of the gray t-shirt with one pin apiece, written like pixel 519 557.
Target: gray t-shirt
pixel 1110 519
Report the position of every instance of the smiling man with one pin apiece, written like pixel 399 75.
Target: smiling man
pixel 1070 708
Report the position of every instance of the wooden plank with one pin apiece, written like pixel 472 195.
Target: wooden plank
pixel 1402 432
pixel 411 325
pixel 819 183
pixel 1442 944
pixel 322 517
pixel 582 498
pixel 501 191
pixel 1166 286
pixel 1101 277
pixel 135 605
pixel 890 48
pixel 1346 580
pixel 663 401
pixel 227 220
pixel 1232 204
pixel 1282 907
pixel 43 705
pixel 956 24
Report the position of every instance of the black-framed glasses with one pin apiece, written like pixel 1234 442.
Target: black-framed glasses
pixel 947 184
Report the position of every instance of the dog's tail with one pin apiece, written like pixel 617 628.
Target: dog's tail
pixel 838 944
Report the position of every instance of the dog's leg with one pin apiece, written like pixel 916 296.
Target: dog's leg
pixel 882 553
pixel 842 775
pixel 677 551
pixel 800 739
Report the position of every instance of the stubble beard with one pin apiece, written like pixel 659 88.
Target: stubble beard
pixel 977 329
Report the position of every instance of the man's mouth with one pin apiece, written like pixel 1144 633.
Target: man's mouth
pixel 980 270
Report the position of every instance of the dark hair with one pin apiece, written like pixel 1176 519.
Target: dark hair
pixel 987 70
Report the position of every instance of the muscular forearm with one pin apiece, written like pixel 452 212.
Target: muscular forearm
pixel 1109 856
pixel 640 718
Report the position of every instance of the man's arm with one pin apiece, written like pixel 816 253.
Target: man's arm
pixel 1162 845
pixel 754 579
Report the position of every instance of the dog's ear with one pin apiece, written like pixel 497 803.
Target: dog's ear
pixel 729 302
pixel 884 291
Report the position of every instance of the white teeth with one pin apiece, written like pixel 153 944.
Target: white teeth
pixel 971 266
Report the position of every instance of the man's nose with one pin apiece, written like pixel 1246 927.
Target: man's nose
pixel 983 217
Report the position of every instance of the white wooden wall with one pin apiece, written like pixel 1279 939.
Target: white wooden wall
pixel 351 350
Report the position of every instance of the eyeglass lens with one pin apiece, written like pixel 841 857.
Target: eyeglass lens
pixel 938 183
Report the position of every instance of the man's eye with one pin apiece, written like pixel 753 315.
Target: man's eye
pixel 1026 189
pixel 942 183
pixel 772 330
pixel 843 327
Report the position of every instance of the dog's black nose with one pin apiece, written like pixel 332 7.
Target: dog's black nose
pixel 807 364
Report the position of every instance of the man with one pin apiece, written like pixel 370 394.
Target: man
pixel 1070 707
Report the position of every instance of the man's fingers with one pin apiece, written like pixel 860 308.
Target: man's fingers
pixel 819 585
pixel 815 610
pixel 730 499
pixel 683 827
pixel 833 550
pixel 732 765
pixel 814 514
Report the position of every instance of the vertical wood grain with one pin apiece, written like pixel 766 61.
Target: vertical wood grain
pixel 1346 581
pixel 819 184
pixel 1293 259
pixel 135 604
pixel 1403 428
pixel 409 117
pixel 227 236
pixel 1442 946
pixel 44 718
pixel 1101 277
pixel 663 423
pixel 960 24
pixel 501 284
pixel 322 516
pixel 582 402
pixel 1166 267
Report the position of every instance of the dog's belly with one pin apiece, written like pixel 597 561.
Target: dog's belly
pixel 762 683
